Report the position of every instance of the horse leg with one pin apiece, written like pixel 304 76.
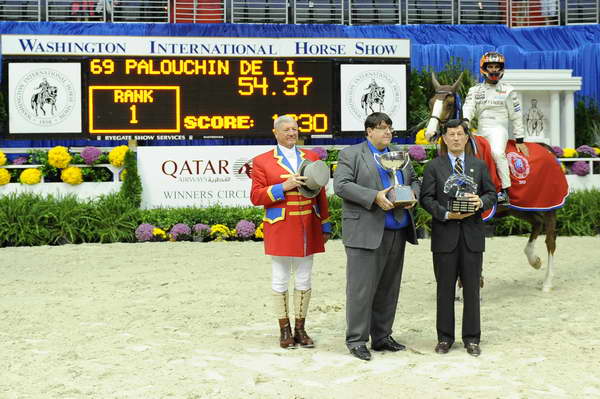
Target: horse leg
pixel 537 225
pixel 550 223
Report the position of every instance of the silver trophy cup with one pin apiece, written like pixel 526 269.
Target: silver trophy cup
pixel 400 195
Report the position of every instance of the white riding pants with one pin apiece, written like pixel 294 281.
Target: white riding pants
pixel 283 266
pixel 498 137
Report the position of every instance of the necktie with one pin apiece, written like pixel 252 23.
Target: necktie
pixel 458 167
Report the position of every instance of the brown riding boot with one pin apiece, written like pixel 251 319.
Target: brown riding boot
pixel 300 335
pixel 280 307
pixel 301 301
pixel 286 341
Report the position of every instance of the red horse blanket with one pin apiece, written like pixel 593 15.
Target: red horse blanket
pixel 538 182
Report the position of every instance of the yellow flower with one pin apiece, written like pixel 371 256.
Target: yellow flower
pixel 158 232
pixel 59 157
pixel 220 232
pixel 72 175
pixel 116 156
pixel 30 176
pixel 596 150
pixel 569 153
pixel 123 175
pixel 259 233
pixel 334 167
pixel 2 158
pixel 563 168
pixel 4 176
pixel 420 138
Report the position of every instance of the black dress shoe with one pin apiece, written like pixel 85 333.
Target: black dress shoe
pixel 443 347
pixel 361 352
pixel 473 349
pixel 388 344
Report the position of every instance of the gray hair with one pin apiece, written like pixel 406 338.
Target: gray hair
pixel 283 119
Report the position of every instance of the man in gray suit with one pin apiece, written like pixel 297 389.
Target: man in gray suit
pixel 457 239
pixel 374 234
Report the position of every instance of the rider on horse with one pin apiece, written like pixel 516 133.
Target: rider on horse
pixel 494 103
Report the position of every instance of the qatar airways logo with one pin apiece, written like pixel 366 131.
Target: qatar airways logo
pixel 207 171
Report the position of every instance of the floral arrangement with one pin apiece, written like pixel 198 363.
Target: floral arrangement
pixel 220 232
pixel 30 176
pixel 580 168
pixel 259 233
pixel 2 158
pixel 20 160
pixel 59 157
pixel 116 157
pixel 201 232
pixel 558 151
pixel 72 175
pixel 569 153
pixel 321 152
pixel 90 155
pixel 159 234
pixel 4 176
pixel 585 151
pixel 245 229
pixel 144 232
pixel 417 153
pixel 180 232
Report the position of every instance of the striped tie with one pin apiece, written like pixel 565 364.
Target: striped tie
pixel 458 167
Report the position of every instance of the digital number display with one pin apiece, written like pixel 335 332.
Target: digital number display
pixel 214 97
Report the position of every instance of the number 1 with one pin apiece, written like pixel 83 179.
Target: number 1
pixel 133 109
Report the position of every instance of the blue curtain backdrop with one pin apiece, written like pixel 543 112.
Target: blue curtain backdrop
pixel 555 47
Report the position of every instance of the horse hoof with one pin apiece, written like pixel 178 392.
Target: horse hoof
pixel 537 264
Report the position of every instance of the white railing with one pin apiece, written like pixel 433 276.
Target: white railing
pixel 259 11
pixel 429 12
pixel 20 10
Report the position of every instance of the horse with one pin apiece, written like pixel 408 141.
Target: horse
pixel 48 96
pixel 375 96
pixel 445 105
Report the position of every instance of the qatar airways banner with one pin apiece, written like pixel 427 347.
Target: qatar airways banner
pixel 177 177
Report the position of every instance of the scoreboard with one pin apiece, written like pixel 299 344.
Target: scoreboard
pixel 142 88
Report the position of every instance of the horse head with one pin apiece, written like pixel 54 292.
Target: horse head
pixel 443 104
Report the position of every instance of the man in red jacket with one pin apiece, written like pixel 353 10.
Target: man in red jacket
pixel 296 225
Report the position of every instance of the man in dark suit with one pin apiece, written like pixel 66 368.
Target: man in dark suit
pixel 457 239
pixel 374 235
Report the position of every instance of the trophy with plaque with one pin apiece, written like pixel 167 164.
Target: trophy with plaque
pixel 393 161
pixel 456 187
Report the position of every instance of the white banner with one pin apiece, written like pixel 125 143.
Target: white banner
pixel 44 97
pixel 53 45
pixel 368 88
pixel 175 177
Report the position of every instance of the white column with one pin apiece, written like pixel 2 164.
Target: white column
pixel 568 133
pixel 555 119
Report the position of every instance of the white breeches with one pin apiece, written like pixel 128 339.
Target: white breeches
pixel 282 269
pixel 498 137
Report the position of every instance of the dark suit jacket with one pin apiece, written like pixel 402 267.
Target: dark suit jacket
pixel 444 233
pixel 356 180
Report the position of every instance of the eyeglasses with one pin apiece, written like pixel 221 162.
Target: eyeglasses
pixel 387 128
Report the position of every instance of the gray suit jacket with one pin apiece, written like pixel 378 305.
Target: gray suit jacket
pixel 444 233
pixel 356 180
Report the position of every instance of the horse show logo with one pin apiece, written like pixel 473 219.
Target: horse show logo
pixel 373 91
pixel 45 97
pixel 518 164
